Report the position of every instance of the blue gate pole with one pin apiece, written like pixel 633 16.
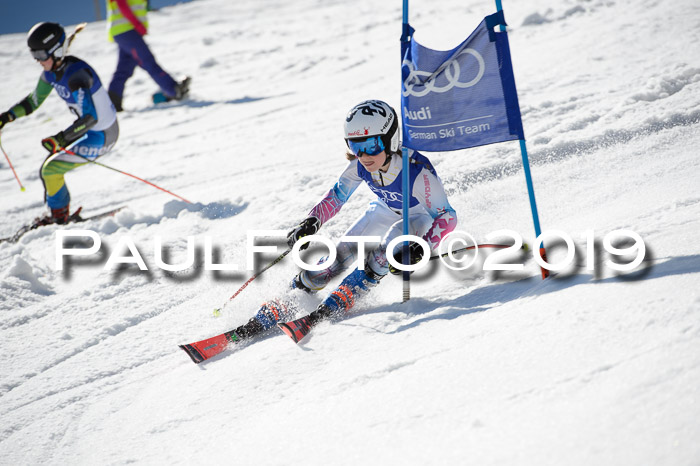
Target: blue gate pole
pixel 499 7
pixel 533 206
pixel 530 187
pixel 406 179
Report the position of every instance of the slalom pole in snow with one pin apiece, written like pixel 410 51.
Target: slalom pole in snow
pixel 11 167
pixel 217 311
pixel 406 179
pixel 530 188
pixel 123 173
pixel 533 206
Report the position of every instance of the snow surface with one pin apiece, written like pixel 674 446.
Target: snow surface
pixel 588 367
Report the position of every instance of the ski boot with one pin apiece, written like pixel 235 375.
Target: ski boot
pixel 116 101
pixel 58 216
pixel 271 312
pixel 353 287
pixel 267 316
pixel 340 301
pixel 182 90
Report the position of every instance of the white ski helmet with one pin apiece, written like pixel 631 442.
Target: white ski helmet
pixel 373 118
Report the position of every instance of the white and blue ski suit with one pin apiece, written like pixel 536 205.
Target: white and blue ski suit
pixel 430 214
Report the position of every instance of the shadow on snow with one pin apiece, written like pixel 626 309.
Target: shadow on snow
pixel 488 297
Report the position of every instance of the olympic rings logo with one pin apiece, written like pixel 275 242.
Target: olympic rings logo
pixel 452 72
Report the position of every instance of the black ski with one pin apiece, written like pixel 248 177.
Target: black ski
pixel 74 218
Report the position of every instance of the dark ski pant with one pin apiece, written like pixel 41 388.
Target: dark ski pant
pixel 134 51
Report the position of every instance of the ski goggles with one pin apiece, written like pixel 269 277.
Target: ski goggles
pixel 43 55
pixel 40 55
pixel 370 146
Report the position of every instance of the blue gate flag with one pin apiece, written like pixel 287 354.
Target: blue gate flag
pixel 460 98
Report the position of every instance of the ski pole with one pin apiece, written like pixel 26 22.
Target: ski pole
pixel 469 248
pixel 13 168
pixel 217 311
pixel 124 173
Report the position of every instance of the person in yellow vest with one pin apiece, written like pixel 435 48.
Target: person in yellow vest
pixel 127 24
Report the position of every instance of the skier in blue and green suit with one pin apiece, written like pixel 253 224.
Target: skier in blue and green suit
pixel 91 135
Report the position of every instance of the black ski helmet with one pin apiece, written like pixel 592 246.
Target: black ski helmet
pixel 45 40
